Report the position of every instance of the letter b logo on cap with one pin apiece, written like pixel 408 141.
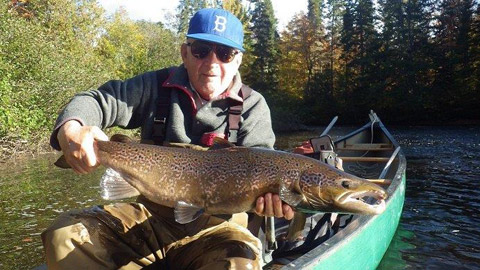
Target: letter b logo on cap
pixel 220 23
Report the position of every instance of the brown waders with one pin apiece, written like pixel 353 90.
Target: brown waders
pixel 144 235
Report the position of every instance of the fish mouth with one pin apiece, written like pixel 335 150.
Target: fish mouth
pixel 364 202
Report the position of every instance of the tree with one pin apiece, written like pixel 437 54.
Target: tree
pixel 186 9
pixel 334 15
pixel 132 47
pixel 264 71
pixel 360 52
pixel 452 41
pixel 295 63
pixel 474 79
pixel 406 57
pixel 314 49
pixel 45 57
pixel 315 13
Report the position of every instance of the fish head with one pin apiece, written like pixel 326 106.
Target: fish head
pixel 333 190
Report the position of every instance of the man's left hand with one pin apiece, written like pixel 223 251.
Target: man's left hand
pixel 270 205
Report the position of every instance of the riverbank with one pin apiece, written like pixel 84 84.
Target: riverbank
pixel 12 148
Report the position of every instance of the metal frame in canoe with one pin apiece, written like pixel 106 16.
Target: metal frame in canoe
pixel 364 241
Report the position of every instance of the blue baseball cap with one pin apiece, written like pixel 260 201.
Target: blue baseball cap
pixel 218 26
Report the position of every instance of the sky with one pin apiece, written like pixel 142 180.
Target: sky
pixel 160 10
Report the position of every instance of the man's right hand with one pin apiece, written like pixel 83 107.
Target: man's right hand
pixel 78 145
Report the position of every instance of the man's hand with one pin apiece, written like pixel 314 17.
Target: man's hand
pixel 270 205
pixel 78 145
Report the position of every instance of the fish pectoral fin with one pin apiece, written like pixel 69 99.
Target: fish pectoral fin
pixel 187 212
pixel 295 229
pixel 290 197
pixel 114 187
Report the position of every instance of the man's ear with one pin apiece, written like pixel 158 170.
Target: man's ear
pixel 238 59
pixel 184 52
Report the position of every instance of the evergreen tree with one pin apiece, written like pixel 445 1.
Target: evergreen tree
pixel 186 9
pixel 264 71
pixel 315 49
pixel 315 13
pixel 334 26
pixel 474 78
pixel 360 43
pixel 406 57
pixel 452 40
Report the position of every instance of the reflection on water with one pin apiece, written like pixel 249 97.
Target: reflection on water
pixel 32 194
pixel 438 228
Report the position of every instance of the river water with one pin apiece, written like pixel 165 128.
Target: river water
pixel 439 228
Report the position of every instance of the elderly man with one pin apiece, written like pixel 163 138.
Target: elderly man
pixel 192 103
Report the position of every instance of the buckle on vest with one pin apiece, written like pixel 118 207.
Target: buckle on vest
pixel 159 129
pixel 162 120
pixel 235 111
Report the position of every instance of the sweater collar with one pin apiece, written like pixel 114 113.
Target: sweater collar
pixel 179 78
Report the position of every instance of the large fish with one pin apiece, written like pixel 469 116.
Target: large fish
pixel 230 179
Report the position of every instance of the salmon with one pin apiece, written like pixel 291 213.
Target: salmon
pixel 229 179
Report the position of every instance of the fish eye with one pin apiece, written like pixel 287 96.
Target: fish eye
pixel 346 184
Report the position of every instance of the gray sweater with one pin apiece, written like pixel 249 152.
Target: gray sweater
pixel 133 103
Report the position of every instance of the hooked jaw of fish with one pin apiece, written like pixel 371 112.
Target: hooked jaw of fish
pixel 342 192
pixel 361 197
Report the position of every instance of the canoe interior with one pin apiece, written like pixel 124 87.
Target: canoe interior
pixel 364 241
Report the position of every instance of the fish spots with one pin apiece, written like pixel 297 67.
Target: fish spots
pixel 312 179
pixel 224 176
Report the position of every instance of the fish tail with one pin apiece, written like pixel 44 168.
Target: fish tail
pixel 62 163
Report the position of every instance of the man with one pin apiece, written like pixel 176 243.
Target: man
pixel 201 92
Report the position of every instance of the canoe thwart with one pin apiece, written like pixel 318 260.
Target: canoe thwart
pixel 366 147
pixel 365 159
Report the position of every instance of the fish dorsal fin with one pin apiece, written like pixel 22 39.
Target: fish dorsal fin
pixel 289 196
pixel 114 187
pixel 220 143
pixel 187 212
pixel 121 138
pixel 186 146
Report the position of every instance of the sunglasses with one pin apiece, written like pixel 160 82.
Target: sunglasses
pixel 201 49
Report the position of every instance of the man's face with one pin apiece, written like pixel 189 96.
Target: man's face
pixel 209 75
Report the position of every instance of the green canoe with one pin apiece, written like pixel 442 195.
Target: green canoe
pixel 369 152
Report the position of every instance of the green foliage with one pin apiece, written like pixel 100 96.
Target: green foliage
pixel 264 75
pixel 50 50
pixel 406 60
pixel 129 48
pixel 186 9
